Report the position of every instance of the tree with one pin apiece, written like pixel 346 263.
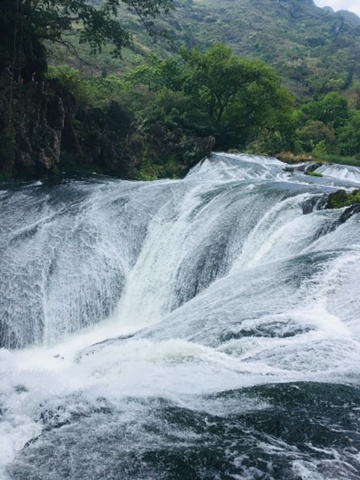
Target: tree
pixel 216 93
pixel 157 74
pixel 315 132
pixel 332 109
pixel 27 23
pixel 349 135
pixel 239 99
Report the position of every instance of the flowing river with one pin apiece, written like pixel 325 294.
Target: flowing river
pixel 198 329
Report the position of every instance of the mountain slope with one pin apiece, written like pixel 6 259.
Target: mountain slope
pixel 308 45
pixel 314 49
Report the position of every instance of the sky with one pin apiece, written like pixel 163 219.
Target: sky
pixel 352 5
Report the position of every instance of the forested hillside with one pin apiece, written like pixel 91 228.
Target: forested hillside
pixel 315 50
pixel 284 81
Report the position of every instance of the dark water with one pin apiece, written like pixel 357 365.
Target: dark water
pixel 206 328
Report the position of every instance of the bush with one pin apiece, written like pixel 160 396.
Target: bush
pixel 72 81
pixel 340 199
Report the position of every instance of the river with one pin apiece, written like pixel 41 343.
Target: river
pixel 196 329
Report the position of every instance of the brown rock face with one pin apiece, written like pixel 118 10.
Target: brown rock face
pixel 31 121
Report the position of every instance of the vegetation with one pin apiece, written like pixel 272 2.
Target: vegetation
pixel 238 101
pixel 340 199
pixel 162 106
pixel 315 50
pixel 313 174
pixel 167 104
pixel 316 56
pixel 329 129
pixel 291 158
pixel 96 23
pixel 28 28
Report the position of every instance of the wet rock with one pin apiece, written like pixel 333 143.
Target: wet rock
pixel 20 389
pixel 31 121
pixel 312 167
pixel 198 149
pixel 317 202
pixel 349 212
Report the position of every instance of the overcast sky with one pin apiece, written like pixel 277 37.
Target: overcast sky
pixel 352 5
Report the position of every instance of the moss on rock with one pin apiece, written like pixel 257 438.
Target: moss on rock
pixel 340 199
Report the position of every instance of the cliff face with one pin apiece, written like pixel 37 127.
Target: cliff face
pixel 32 118
pixel 42 129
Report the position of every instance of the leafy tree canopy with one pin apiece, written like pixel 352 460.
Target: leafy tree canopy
pixel 349 135
pixel 234 99
pixel 26 23
pixel 332 109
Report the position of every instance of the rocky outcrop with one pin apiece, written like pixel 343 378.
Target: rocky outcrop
pixel 32 118
pixel 172 151
pixel 42 130
pixel 101 140
pixel 317 202
pixel 110 141
pixel 341 198
pixel 349 212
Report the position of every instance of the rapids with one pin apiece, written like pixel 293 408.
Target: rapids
pixel 197 329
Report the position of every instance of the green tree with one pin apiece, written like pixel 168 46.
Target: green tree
pixel 332 109
pixel 26 23
pixel 157 74
pixel 72 81
pixel 315 132
pixel 216 93
pixel 238 99
pixel 349 136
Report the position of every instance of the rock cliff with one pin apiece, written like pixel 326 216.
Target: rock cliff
pixel 42 130
pixel 31 122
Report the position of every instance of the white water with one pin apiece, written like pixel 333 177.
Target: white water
pixel 223 280
pixel 340 172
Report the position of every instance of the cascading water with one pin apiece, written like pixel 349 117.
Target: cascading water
pixel 205 328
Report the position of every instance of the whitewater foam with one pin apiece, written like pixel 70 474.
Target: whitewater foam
pixel 173 313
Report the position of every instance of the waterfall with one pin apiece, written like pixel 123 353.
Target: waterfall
pixel 194 329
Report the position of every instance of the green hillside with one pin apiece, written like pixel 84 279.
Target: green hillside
pixel 315 50
pixel 219 84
